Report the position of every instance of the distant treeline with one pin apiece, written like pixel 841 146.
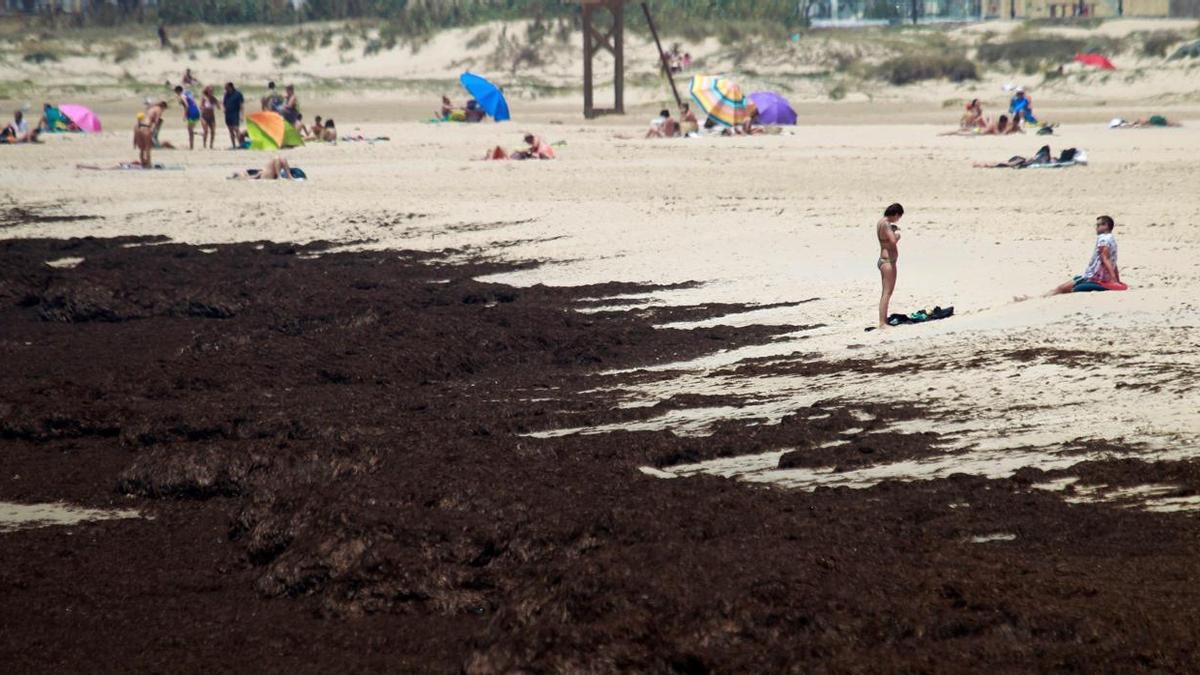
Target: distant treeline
pixel 427 15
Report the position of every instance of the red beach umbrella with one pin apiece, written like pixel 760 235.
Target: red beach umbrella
pixel 1095 60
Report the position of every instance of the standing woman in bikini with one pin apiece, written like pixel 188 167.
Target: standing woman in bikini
pixel 889 237
pixel 208 118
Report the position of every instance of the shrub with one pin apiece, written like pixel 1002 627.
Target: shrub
pixel 479 39
pixel 915 68
pixel 1030 50
pixel 124 51
pixel 283 56
pixel 346 44
pixel 837 92
pixel 226 48
pixel 1157 43
pixel 372 47
pixel 192 35
pixel 1102 44
pixel 1189 51
pixel 1088 22
pixel 40 53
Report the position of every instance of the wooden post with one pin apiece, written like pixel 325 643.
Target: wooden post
pixel 614 42
pixel 588 53
pixel 662 56
pixel 617 7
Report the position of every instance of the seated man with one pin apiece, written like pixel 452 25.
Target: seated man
pixel 663 126
pixel 1021 107
pixel 18 131
pixel 1102 273
pixel 473 113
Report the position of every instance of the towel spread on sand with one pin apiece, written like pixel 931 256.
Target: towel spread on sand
pixel 919 316
pixel 1043 159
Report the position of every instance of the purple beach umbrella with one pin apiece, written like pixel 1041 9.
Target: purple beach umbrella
pixel 773 108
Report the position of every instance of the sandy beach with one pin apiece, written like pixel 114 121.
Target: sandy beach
pixel 1051 437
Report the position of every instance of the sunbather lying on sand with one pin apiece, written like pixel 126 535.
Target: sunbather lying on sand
pixel 1001 127
pixel 277 168
pixel 1043 158
pixel 126 166
pixel 1142 123
pixel 1102 272
pixel 538 149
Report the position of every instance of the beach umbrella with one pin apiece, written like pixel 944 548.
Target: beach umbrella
pixel 269 131
pixel 83 117
pixel 1096 61
pixel 773 108
pixel 721 99
pixel 489 96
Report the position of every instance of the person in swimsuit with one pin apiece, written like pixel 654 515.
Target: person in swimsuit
pixel 291 106
pixel 208 118
pixel 1102 269
pixel 688 124
pixel 191 113
pixel 276 169
pixel 973 118
pixel 154 122
pixel 889 237
pixel 143 139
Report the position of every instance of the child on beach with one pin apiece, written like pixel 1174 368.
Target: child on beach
pixel 888 234
pixel 1102 272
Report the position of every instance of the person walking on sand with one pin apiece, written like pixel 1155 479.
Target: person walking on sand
pixel 233 102
pixel 889 251
pixel 1102 271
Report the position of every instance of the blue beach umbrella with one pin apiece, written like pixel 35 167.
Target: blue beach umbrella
pixel 489 96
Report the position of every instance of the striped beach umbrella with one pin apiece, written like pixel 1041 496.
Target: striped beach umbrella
pixel 721 99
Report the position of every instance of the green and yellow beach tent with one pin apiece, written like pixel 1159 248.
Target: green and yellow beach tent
pixel 269 131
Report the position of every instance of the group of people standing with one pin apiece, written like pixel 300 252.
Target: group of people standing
pixel 202 111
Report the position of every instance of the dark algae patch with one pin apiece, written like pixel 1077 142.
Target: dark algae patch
pixel 332 451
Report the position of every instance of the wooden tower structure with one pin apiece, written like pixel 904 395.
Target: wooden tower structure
pixel 612 40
